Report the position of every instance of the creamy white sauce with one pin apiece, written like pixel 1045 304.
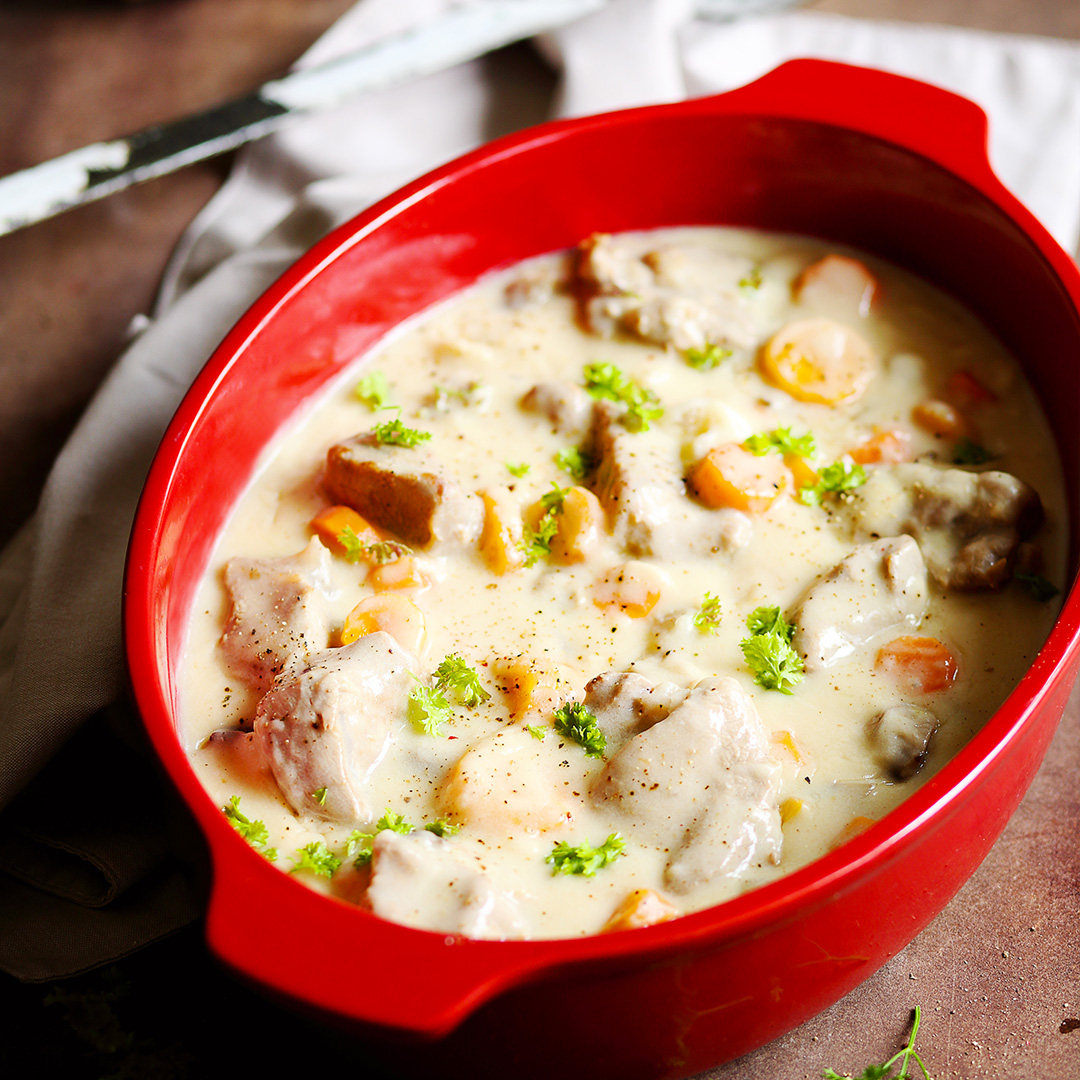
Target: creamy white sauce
pixel 547 612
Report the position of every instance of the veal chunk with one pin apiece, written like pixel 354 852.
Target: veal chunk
pixel 401 490
pixel 625 704
pixel 638 481
pixel 324 730
pixel 879 585
pixel 277 613
pixel 686 296
pixel 699 784
pixel 968 525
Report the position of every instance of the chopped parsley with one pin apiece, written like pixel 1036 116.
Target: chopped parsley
pixel 576 722
pixel 373 391
pixel 317 858
pixel 1039 587
pixel 573 461
pixel 707 358
pixel 609 382
pixel 536 543
pixel 254 832
pixel 783 442
pixel 752 279
pixel 707 618
pixel 518 470
pixel 537 733
pixel 768 651
pixel 442 827
pixel 966 452
pixel 455 678
pixel 378 551
pixel 428 708
pixel 395 433
pixel 473 394
pixel 885 1069
pixel 584 858
pixel 837 478
pixel 320 796
pixel 358 846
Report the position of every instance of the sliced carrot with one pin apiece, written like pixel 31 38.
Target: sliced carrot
pixel 921 665
pixel 837 281
pixel 887 446
pixel 395 614
pixel 965 389
pixel 855 827
pixel 633 588
pixel 530 684
pixel 802 472
pixel 940 418
pixel 500 540
pixel 403 573
pixel 786 741
pixel 581 527
pixel 818 360
pixel 730 475
pixel 789 808
pixel 643 907
pixel 330 524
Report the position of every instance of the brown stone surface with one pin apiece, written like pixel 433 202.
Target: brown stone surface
pixel 997 973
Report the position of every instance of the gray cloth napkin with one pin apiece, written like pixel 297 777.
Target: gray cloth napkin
pixel 88 842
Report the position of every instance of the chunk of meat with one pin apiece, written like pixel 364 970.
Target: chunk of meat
pixel 277 613
pixel 325 730
pixel 968 525
pixel 508 781
pixel 700 784
pixel 429 882
pixel 626 704
pixel 900 737
pixel 639 483
pixel 684 296
pixel 402 490
pixel 568 407
pixel 880 585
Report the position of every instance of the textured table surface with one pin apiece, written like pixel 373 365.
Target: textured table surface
pixel 997 974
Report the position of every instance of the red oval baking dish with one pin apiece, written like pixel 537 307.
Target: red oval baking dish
pixel 880 162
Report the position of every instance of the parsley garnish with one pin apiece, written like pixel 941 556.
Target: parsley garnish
pixel 768 652
pixel 395 433
pixel 1041 589
pixel 752 280
pixel 573 461
pixel 966 452
pixel 373 390
pixel 707 618
pixel 537 733
pixel 536 543
pixel 428 708
pixel 473 394
pixel 783 442
pixel 320 796
pixel 576 722
pixel 378 551
pixel 608 381
pixel 882 1071
pixel 442 827
pixel 254 832
pixel 317 858
pixel 707 358
pixel 837 478
pixel 518 470
pixel 358 846
pixel 455 678
pixel 584 858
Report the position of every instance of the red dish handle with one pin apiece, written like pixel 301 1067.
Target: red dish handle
pixel 933 122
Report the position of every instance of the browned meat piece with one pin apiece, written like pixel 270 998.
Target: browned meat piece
pixel 900 736
pixel 687 297
pixel 639 482
pixel 401 490
pixel 879 585
pixel 278 613
pixel 324 730
pixel 700 783
pixel 625 704
pixel 568 407
pixel 968 525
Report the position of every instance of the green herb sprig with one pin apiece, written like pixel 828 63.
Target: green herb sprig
pixel 783 442
pixel 768 651
pixel 578 724
pixel 583 858
pixel 835 479
pixel 254 832
pixel 707 616
pixel 611 383
pixel 903 1057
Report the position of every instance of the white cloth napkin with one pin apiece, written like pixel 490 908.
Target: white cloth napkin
pixel 60 579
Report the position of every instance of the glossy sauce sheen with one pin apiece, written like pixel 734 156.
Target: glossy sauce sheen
pixel 831 778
